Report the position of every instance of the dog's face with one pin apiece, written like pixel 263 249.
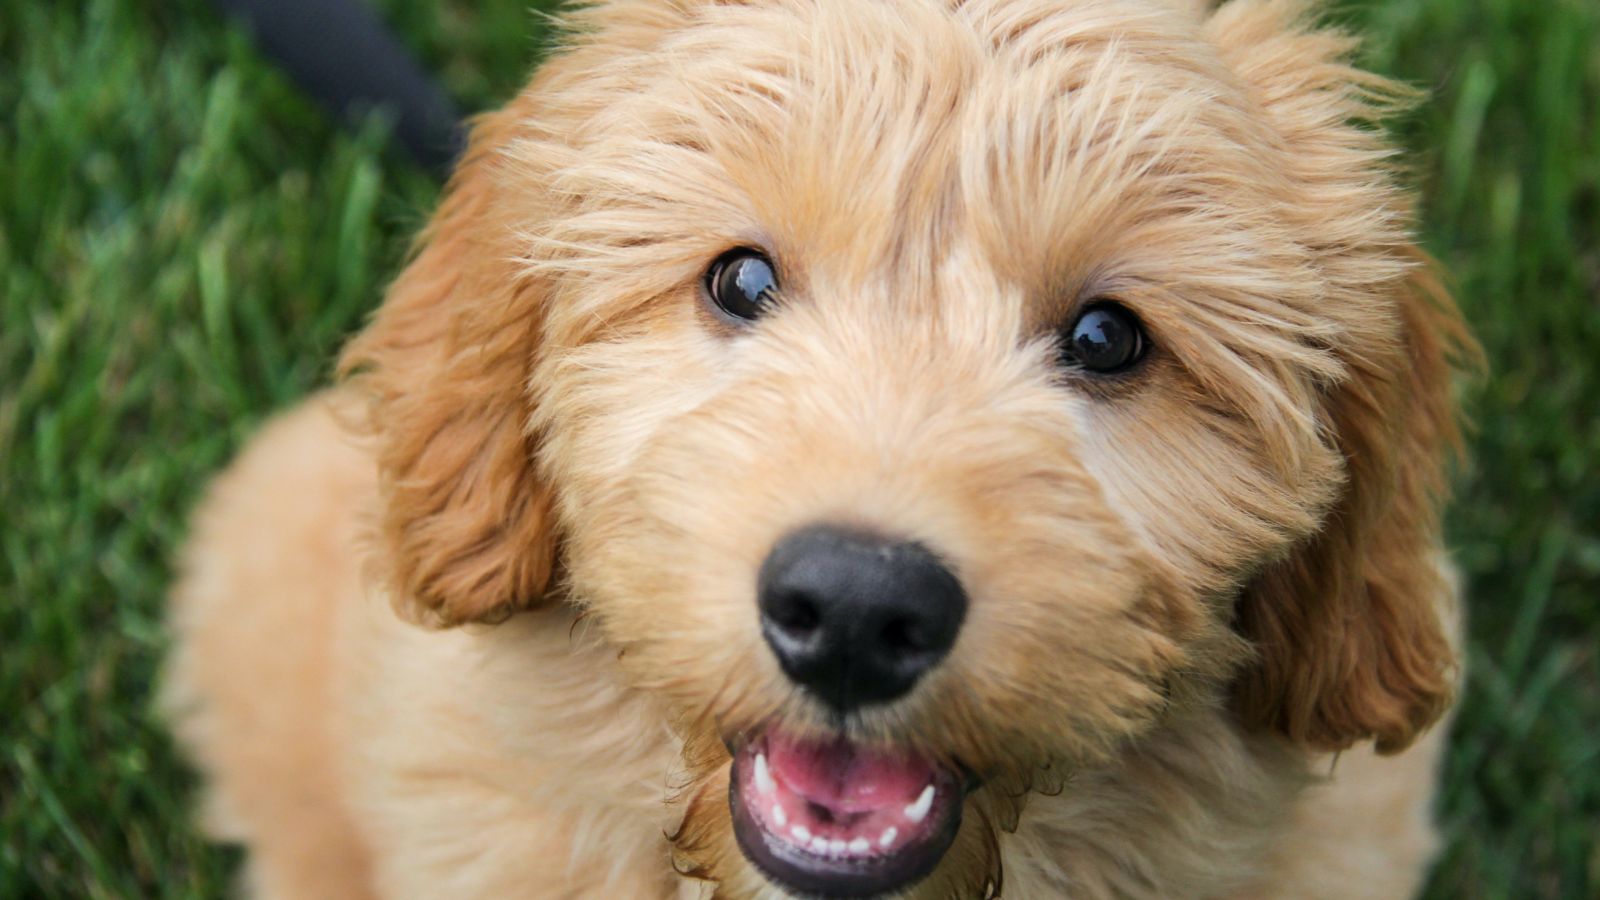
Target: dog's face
pixel 929 399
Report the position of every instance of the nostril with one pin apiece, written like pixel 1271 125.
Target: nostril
pixel 900 636
pixel 796 613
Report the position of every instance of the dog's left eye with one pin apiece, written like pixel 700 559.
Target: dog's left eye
pixel 1107 337
pixel 742 283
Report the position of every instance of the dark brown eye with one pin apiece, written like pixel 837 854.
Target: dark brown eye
pixel 742 283
pixel 1106 337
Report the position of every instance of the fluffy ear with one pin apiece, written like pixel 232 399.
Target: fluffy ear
pixel 1350 629
pixel 444 365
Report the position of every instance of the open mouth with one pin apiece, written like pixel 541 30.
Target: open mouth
pixel 832 818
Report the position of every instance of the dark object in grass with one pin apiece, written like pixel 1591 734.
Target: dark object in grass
pixel 343 55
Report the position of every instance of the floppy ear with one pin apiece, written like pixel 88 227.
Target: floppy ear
pixel 444 364
pixel 1350 629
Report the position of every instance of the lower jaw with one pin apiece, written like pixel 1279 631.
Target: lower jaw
pixel 808 873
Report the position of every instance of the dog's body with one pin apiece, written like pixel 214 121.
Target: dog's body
pixel 1180 586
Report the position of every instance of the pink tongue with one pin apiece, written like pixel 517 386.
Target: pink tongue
pixel 844 777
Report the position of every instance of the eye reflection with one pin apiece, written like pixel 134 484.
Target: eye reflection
pixel 1106 337
pixel 742 283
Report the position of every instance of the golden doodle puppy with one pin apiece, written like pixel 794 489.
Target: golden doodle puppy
pixel 847 448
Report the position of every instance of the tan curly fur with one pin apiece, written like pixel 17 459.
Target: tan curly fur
pixel 1189 584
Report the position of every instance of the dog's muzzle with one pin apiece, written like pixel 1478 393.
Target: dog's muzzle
pixel 854 620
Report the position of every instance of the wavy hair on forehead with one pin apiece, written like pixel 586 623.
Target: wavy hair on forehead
pixel 751 122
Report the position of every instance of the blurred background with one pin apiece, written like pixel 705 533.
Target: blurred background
pixel 185 240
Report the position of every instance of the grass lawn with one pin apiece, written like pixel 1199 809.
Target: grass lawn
pixel 184 241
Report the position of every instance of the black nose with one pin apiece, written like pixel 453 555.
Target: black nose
pixel 857 619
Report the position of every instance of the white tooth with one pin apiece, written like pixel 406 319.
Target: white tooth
pixel 819 845
pixel 801 834
pixel 889 834
pixel 779 816
pixel 764 782
pixel 836 847
pixel 918 811
pixel 859 846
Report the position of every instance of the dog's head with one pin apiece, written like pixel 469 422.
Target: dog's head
pixel 929 397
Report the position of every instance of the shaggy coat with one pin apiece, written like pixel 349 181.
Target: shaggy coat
pixel 1191 584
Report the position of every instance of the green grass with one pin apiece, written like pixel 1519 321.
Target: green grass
pixel 184 241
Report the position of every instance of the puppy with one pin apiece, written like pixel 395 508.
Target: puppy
pixel 919 448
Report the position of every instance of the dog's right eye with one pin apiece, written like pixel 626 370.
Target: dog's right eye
pixel 742 284
pixel 1106 338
